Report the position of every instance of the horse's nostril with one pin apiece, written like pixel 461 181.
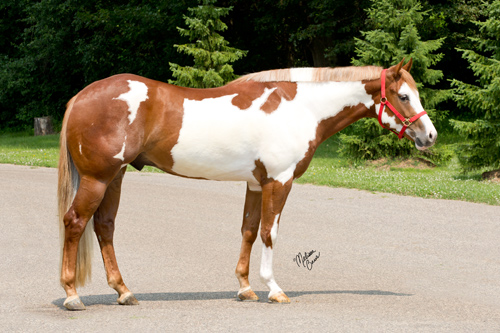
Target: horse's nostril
pixel 433 136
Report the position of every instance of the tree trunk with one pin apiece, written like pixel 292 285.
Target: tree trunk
pixel 318 48
pixel 43 126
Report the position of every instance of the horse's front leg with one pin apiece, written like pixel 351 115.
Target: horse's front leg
pixel 249 230
pixel 274 195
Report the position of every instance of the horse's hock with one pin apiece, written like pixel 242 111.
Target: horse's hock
pixel 43 126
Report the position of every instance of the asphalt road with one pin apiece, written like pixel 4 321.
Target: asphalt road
pixel 387 263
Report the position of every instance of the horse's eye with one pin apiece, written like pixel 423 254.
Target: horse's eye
pixel 404 98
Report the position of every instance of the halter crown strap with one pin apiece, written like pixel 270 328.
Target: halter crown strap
pixel 383 102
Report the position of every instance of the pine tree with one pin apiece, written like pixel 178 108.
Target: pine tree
pixel 212 53
pixel 483 100
pixel 395 35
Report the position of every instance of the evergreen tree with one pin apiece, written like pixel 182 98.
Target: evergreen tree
pixel 211 52
pixel 395 35
pixel 51 49
pixel 483 100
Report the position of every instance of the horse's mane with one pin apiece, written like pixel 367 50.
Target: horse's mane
pixel 320 74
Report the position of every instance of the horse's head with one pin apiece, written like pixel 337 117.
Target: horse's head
pixel 400 109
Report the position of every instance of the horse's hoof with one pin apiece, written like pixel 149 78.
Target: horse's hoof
pixel 128 299
pixel 279 297
pixel 248 296
pixel 73 303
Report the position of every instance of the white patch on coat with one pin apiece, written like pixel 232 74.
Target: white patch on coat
pixel 274 229
pixel 386 119
pixel 221 142
pixel 120 155
pixel 266 265
pixel 266 271
pixel 301 74
pixel 138 93
pixel 80 148
pixel 414 100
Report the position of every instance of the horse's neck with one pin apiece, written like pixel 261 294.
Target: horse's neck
pixel 336 105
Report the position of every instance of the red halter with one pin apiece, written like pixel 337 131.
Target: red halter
pixel 383 102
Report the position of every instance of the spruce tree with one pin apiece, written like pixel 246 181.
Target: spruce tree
pixel 482 100
pixel 212 53
pixel 394 36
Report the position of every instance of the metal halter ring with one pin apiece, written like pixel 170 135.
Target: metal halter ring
pixel 407 122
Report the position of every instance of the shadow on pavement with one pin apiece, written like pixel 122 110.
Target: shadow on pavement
pixel 110 299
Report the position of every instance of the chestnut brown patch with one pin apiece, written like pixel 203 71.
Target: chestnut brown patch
pixel 284 90
pixel 250 91
pixel 260 172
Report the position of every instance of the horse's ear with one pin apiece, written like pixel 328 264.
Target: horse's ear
pixel 407 67
pixel 394 70
pixel 399 66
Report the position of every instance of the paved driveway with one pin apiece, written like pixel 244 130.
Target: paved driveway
pixel 387 263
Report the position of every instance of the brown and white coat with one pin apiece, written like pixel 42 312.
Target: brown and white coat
pixel 262 129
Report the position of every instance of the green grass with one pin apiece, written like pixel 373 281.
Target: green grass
pixel 327 168
pixel 21 149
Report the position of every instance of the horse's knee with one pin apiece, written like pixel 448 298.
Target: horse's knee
pixel 249 235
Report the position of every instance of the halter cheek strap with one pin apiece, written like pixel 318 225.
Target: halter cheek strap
pixel 384 102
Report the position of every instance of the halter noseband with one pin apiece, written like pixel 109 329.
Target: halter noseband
pixel 383 102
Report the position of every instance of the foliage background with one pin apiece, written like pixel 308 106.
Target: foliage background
pixel 51 49
pixel 213 57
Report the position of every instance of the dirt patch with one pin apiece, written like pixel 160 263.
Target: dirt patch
pixel 492 175
pixel 414 163
pixel 380 164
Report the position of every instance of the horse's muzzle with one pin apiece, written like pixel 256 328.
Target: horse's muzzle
pixel 427 141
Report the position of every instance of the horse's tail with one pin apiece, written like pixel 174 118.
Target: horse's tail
pixel 68 183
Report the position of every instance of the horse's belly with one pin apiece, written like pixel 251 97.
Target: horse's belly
pixel 215 168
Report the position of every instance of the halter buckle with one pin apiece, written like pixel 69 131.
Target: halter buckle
pixel 383 100
pixel 407 122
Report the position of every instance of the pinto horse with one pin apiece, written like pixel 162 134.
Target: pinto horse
pixel 262 128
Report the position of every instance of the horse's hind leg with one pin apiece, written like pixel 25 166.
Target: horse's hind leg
pixel 104 224
pixel 249 231
pixel 87 199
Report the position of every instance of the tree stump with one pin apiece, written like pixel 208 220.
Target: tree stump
pixel 43 126
pixel 492 175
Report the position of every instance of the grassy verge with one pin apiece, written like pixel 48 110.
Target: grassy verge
pixel 327 168
pixel 19 148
